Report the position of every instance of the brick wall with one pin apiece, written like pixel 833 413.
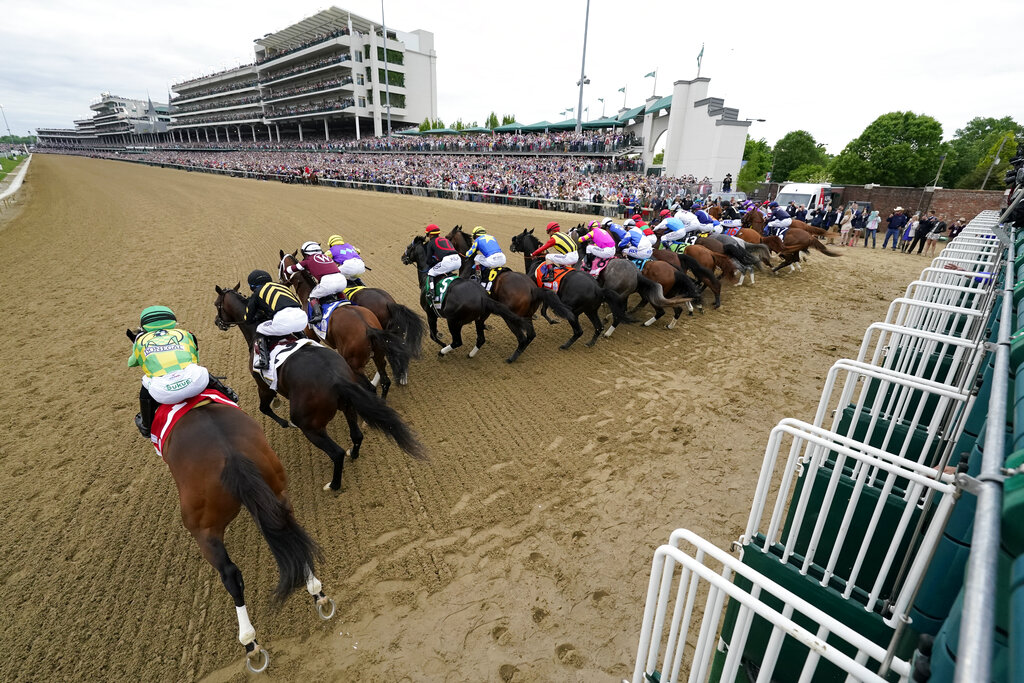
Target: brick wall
pixel 965 203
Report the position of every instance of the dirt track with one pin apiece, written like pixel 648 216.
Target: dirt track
pixel 520 552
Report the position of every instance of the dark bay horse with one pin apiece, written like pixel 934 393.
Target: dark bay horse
pixel 220 460
pixel 393 316
pixel 796 241
pixel 318 383
pixel 355 333
pixel 466 302
pixel 580 292
pixel 699 261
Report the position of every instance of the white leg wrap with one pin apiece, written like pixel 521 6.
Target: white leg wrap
pixel 751 278
pixel 474 351
pixel 313 585
pixel 740 283
pixel 376 380
pixel 672 324
pixel 650 322
pixel 246 633
pixel 446 350
pixel 608 332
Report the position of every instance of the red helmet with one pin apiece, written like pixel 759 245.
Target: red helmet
pixel 636 216
pixel 553 226
pixel 432 229
pixel 665 212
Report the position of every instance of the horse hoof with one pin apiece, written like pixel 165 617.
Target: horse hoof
pixel 328 487
pixel 474 351
pixel 609 331
pixel 258 660
pixel 325 608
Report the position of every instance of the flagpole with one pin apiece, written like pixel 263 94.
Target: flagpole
pixel 655 91
pixel 699 58
pixel 625 94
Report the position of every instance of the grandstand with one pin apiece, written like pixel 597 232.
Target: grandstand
pixel 117 120
pixel 328 76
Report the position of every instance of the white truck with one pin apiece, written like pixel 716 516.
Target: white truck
pixel 811 195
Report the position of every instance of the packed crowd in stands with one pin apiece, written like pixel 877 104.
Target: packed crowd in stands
pixel 325 84
pixel 226 116
pixel 318 38
pixel 213 91
pixel 306 66
pixel 206 104
pixel 311 108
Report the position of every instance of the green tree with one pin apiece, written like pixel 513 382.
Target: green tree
pixel 899 148
pixel 425 125
pixel 971 143
pixel 492 121
pixel 796 149
pixel 659 159
pixel 437 123
pixel 758 157
pixel 458 125
pixel 507 119
pixel 810 173
pixel 976 176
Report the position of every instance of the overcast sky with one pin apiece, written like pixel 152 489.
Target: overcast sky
pixel 828 68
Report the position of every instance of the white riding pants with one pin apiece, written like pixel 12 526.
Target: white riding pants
pixel 448 264
pixel 640 252
pixel 600 252
pixel 781 224
pixel 493 261
pixel 177 386
pixel 289 320
pixel 569 259
pixel 353 267
pixel 333 283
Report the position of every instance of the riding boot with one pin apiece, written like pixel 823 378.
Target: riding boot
pixel 147 412
pixel 262 353
pixel 217 385
pixel 356 282
pixel 318 311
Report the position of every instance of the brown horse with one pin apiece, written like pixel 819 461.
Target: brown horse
pixel 796 241
pixel 715 211
pixel 318 383
pixel 220 460
pixel 393 316
pixel 354 332
pixel 701 262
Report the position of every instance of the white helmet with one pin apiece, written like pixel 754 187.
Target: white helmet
pixel 629 223
pixel 311 248
pixel 606 222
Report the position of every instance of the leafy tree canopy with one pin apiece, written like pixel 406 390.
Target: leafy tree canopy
pixel 758 157
pixel 899 148
pixel 796 149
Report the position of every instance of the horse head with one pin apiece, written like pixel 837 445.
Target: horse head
pixel 459 239
pixel 415 253
pixel 230 305
pixel 521 242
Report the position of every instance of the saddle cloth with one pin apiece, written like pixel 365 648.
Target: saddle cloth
pixel 442 291
pixel 492 275
pixel 677 247
pixel 168 415
pixel 733 231
pixel 278 355
pixel 350 291
pixel 549 275
pixel 321 327
pixel 639 263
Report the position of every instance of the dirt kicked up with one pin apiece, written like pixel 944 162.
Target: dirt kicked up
pixel 520 552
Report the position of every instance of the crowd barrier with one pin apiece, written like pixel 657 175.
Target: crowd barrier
pixel 15 185
pixel 854 561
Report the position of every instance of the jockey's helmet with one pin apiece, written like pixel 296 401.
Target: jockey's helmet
pixel 311 248
pixel 334 240
pixel 257 278
pixel 664 213
pixel 593 224
pixel 553 226
pixel 606 222
pixel 629 223
pixel 479 230
pixel 157 318
pixel 773 204
pixel 432 229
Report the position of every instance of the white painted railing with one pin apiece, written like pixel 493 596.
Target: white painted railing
pixel 16 183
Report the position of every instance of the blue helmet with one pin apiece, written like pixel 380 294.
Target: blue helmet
pixel 773 204
pixel 696 205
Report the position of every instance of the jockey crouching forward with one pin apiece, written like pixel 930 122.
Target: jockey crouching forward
pixel 601 247
pixel 678 230
pixel 780 221
pixel 485 251
pixel 350 263
pixel 169 357
pixel 708 223
pixel 565 249
pixel 275 311
pixel 442 259
pixel 329 280
pixel 638 243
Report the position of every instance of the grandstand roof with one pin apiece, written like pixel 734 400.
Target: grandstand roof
pixel 324 21
pixel 655 107
pixel 631 114
pixel 510 127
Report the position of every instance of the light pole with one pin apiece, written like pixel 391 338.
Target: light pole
pixel 601 100
pixel 9 134
pixel 387 77
pixel 583 66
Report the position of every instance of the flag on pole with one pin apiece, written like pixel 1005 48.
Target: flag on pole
pixel 622 89
pixel 651 75
pixel 700 56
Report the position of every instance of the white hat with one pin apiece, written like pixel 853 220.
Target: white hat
pixel 898 208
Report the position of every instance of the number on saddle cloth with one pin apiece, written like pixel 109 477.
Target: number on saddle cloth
pixel 639 263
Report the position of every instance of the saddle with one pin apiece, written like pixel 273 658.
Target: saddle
pixel 549 276
pixel 491 274
pixel 167 416
pixel 348 292
pixel 327 306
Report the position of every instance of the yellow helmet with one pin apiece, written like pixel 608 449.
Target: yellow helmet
pixel 334 240
pixel 478 230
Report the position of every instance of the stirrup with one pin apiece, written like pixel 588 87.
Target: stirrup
pixel 146 434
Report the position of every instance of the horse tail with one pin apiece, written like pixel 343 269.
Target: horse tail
pixel 407 325
pixel 378 415
pixel 516 323
pixel 725 263
pixel 816 244
pixel 699 271
pixel 292 547
pixel 742 256
pixel 395 350
pixel 548 297
pixel 655 293
pixel 764 254
pixel 617 303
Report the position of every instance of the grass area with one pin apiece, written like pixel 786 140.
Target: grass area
pixel 8 165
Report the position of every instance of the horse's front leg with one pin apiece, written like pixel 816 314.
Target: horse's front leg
pixel 455 329
pixel 480 339
pixel 322 440
pixel 267 395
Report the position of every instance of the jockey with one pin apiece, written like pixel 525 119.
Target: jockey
pixel 441 257
pixel 780 222
pixel 709 224
pixel 677 230
pixel 601 247
pixel 613 228
pixel 347 257
pixel 729 212
pixel 276 310
pixel 638 243
pixel 565 248
pixel 326 273
pixel 485 250
pixel 169 357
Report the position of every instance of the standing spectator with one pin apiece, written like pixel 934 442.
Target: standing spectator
pixel 727 183
pixel 791 209
pixel 909 230
pixel 871 230
pixel 845 224
pixel 897 219
pixel 959 225
pixel 932 238
pixel 856 224
pixel 801 213
pixel 924 227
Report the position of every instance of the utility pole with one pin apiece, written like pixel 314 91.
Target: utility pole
pixel 994 163
pixel 387 85
pixel 583 68
pixel 11 135
pixel 942 162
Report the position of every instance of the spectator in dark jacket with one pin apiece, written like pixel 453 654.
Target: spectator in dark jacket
pixel 801 213
pixel 897 219
pixel 923 228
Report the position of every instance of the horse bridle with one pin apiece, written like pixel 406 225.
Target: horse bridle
pixel 224 325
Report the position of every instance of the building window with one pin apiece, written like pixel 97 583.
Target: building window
pixel 359 56
pixel 366 51
pixel 368 73
pixel 397 99
pixel 394 56
pixel 394 77
pixel 360 80
pixel 362 101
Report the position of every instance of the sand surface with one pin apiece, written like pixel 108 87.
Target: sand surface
pixel 520 552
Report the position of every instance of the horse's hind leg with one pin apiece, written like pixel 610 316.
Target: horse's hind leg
pixel 544 313
pixel 211 544
pixel 678 310
pixel 380 362
pixel 455 328
pixel 324 605
pixel 595 319
pixel 524 341
pixel 267 395
pixel 480 339
pixel 320 439
pixel 577 332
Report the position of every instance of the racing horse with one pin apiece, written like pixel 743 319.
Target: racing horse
pixel 393 316
pixel 465 302
pixel 795 241
pixel 515 290
pixel 354 332
pixel 580 292
pixel 746 255
pixel 220 460
pixel 700 261
pixel 317 383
